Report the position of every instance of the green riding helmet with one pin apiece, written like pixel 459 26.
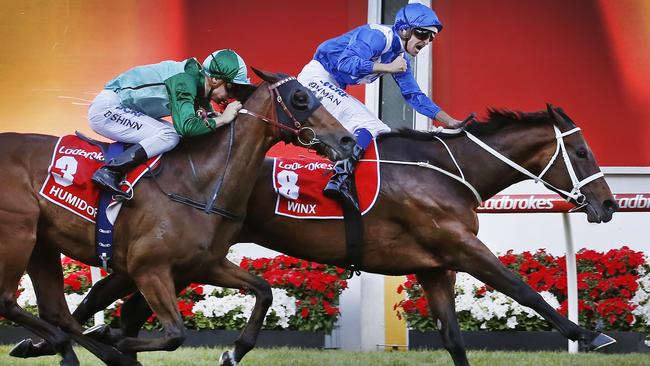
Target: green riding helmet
pixel 226 65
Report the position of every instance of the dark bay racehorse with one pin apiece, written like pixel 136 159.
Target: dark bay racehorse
pixel 158 242
pixel 424 222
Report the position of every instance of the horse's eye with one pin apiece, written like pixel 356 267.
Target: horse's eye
pixel 581 152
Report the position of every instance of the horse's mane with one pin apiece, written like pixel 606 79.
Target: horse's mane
pixel 497 120
pixel 241 92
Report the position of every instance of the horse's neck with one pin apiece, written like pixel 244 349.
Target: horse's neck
pixel 527 145
pixel 209 154
pixel 254 141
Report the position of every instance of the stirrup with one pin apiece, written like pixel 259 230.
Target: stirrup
pixel 128 194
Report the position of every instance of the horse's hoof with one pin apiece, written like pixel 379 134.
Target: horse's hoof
pixel 227 359
pixel 23 349
pixel 600 341
pixel 27 349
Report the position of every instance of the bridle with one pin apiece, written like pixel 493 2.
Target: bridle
pixel 298 129
pixel 575 194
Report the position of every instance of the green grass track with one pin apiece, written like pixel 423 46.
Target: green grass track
pixel 296 357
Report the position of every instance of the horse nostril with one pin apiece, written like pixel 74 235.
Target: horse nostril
pixel 610 205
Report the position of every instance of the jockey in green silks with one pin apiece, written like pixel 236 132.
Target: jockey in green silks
pixel 131 108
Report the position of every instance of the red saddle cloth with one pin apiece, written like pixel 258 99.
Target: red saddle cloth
pixel 299 184
pixel 68 181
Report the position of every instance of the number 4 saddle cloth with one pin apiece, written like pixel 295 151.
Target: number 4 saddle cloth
pixel 299 184
pixel 68 181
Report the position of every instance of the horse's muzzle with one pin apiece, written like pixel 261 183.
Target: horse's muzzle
pixel 601 213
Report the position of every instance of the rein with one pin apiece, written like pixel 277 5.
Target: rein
pixel 575 193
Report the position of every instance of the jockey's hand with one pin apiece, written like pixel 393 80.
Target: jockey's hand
pixel 229 113
pixel 454 123
pixel 448 121
pixel 398 65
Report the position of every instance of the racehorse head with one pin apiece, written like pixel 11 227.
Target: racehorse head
pixel 575 170
pixel 300 118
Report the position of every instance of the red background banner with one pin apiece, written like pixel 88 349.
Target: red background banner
pixel 589 57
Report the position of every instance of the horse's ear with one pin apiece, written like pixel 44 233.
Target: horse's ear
pixel 265 75
pixel 552 112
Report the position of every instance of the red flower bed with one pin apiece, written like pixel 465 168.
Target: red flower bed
pixel 607 283
pixel 317 286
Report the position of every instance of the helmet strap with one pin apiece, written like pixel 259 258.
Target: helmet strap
pixel 405 35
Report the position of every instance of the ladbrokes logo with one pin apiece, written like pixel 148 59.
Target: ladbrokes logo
pixel 310 166
pixel 520 203
pixel 639 201
pixel 96 155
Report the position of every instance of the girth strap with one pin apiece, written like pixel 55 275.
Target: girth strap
pixel 353 237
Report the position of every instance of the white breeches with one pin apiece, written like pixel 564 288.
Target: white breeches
pixel 110 118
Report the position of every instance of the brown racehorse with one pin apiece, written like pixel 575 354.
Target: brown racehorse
pixel 424 222
pixel 158 242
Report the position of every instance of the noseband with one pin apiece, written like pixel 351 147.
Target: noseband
pixel 298 129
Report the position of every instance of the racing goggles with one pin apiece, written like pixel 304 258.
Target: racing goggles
pixel 424 34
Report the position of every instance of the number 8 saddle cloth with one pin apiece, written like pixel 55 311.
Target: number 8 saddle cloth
pixel 299 184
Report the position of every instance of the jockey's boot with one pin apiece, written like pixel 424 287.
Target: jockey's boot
pixel 110 175
pixel 341 186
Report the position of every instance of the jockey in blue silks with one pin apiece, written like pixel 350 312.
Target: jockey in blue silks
pixel 361 56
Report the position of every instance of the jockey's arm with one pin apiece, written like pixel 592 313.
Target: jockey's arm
pixel 419 101
pixel 356 59
pixel 182 89
pixel 413 95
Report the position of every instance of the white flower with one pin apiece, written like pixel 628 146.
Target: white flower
pixel 74 300
pixel 234 256
pixel 283 306
pixel 209 289
pixel 27 296
pixel 642 297
pixel 512 322
pixel 493 305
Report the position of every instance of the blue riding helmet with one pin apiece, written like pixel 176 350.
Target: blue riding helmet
pixel 417 16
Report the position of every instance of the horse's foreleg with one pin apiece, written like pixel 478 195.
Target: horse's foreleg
pixel 438 287
pixel 227 274
pixel 157 287
pixel 46 273
pixel 476 259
